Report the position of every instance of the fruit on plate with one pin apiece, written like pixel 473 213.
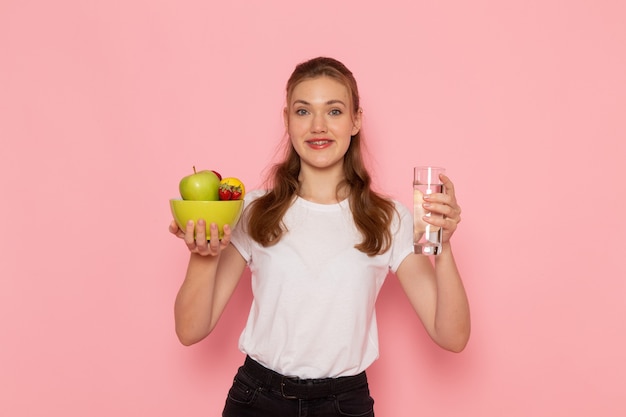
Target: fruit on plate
pixel 200 186
pixel 231 188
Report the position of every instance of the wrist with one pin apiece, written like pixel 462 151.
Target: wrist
pixel 446 252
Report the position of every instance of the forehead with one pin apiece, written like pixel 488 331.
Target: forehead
pixel 320 89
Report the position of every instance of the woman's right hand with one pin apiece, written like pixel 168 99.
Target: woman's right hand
pixel 201 245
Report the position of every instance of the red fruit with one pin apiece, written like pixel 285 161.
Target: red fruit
pixel 236 186
pixel 225 192
pixel 218 174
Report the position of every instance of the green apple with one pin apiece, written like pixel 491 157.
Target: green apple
pixel 200 186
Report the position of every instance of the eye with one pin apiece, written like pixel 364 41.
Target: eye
pixel 335 112
pixel 302 112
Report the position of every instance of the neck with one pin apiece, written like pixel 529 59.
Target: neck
pixel 320 186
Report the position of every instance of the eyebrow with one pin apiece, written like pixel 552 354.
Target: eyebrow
pixel 329 102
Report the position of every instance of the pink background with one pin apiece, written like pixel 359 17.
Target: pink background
pixel 105 105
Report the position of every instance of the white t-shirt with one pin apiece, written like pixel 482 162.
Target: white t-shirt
pixel 313 311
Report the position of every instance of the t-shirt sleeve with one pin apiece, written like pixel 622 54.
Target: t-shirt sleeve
pixel 240 238
pixel 402 235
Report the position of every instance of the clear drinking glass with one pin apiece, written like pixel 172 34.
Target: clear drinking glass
pixel 426 237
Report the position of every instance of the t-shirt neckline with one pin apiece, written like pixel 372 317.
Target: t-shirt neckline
pixel 322 207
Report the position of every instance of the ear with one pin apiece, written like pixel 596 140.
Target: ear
pixel 286 117
pixel 357 120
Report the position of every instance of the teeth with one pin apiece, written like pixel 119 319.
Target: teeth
pixel 319 142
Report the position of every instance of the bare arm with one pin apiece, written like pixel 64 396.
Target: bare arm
pixel 213 272
pixel 437 293
pixel 438 297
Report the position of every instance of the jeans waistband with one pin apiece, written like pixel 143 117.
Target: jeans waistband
pixel 302 389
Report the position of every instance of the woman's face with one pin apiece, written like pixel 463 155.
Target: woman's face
pixel 320 121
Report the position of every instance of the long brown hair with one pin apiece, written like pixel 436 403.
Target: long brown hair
pixel 372 212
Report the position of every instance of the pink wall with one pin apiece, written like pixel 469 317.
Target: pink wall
pixel 104 105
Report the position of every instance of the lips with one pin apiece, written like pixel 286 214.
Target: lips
pixel 319 143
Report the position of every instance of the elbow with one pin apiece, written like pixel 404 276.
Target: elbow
pixel 187 341
pixel 189 337
pixel 456 342
pixel 457 346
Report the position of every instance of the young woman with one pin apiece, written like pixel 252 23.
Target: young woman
pixel 319 243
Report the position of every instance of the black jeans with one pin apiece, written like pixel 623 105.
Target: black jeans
pixel 261 392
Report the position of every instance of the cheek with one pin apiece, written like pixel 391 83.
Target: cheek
pixel 350 129
pixel 293 125
pixel 292 133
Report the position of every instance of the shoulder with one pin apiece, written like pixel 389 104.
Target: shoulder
pixel 253 195
pixel 402 217
pixel 249 198
pixel 400 207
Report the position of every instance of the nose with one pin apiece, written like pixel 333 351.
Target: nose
pixel 318 124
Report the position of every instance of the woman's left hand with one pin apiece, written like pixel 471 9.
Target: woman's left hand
pixel 446 204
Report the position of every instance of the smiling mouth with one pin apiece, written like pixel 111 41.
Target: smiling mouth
pixel 319 142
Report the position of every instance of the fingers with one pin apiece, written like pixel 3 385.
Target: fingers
pixel 445 204
pixel 447 184
pixel 450 209
pixel 213 243
pixel 189 235
pixel 175 230
pixel 447 223
pixel 197 241
pixel 227 234
pixel 448 198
